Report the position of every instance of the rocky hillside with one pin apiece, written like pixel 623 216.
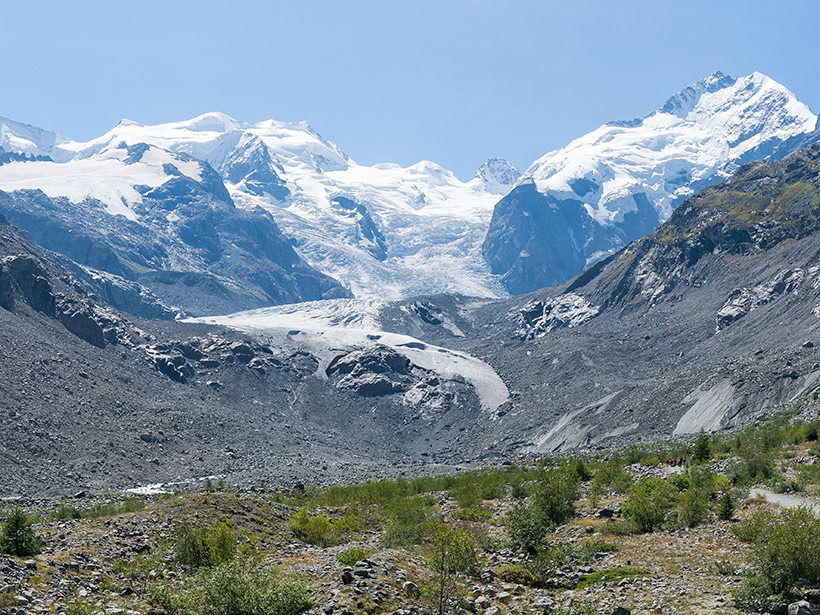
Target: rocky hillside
pixel 706 323
pixel 95 398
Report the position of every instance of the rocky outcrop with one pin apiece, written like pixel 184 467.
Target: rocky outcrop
pixel 744 300
pixel 24 274
pixel 373 371
pixel 539 317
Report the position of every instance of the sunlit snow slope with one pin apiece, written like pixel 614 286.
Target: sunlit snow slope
pixel 383 231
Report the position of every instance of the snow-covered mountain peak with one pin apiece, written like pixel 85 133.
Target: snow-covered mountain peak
pixel 383 230
pixel 497 176
pixel 685 101
pixel 19 138
pixel 212 122
pixel 701 134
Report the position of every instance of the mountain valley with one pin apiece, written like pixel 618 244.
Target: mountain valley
pixel 215 298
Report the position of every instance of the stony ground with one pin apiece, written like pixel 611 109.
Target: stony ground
pixel 105 564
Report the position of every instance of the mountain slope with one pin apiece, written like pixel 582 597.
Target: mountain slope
pixel 620 181
pixel 706 323
pixel 96 399
pixel 164 221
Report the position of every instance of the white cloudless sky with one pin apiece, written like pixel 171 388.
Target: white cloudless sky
pixel 453 81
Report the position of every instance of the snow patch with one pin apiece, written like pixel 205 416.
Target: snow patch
pixel 323 328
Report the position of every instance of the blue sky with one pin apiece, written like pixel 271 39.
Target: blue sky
pixel 453 81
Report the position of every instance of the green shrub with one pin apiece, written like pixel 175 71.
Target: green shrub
pixel 693 506
pixel 702 448
pixel 520 574
pixel 18 536
pixel 784 550
pixel 190 547
pixel 221 542
pixel 727 507
pixel 111 508
pixel 580 470
pixel 519 491
pixel 612 575
pixel 555 492
pixel 551 557
pixel 238 587
pixel 473 513
pixel 611 477
pixel 648 503
pixel 591 548
pixel 693 502
pixel 527 526
pixel 453 552
pixel 353 555
pixel 65 511
pixel 315 529
pixel 407 522
pixel 196 547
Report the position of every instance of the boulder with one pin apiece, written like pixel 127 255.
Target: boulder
pixel 804 608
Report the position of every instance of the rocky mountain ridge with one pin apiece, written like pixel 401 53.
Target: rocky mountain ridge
pixel 706 323
pixel 174 242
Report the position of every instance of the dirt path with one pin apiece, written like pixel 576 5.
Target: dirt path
pixel 784 500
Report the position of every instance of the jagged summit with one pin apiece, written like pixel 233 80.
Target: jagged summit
pixel 498 175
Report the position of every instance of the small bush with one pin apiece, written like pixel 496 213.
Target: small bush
pixel 516 573
pixel 648 503
pixel 196 547
pixel 351 556
pixel 65 511
pixel 702 448
pixel 784 550
pixel 551 558
pixel 611 476
pixel 19 537
pixel 727 507
pixel 453 552
pixel 591 548
pixel 528 526
pixel 190 548
pixel 407 522
pixel 238 587
pixel 613 575
pixel 315 529
pixel 473 513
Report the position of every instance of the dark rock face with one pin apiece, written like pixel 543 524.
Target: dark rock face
pixel 368 232
pixel 191 250
pixel 534 240
pixel 707 323
pixel 25 273
pixel 252 164
pixel 378 370
pixel 529 243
